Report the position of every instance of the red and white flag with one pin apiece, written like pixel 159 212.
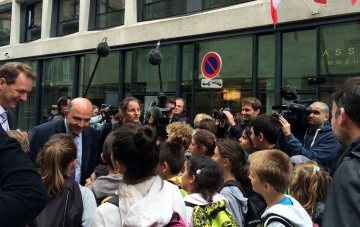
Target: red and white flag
pixel 353 2
pixel 321 1
pixel 273 5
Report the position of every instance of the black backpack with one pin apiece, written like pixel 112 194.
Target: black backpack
pixel 256 204
pixel 271 218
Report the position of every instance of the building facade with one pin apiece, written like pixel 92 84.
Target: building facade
pixel 313 48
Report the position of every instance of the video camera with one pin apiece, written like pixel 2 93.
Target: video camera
pixel 109 110
pixel 218 114
pixel 157 110
pixel 296 109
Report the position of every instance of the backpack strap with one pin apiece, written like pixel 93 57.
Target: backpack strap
pixel 236 184
pixel 114 200
pixel 188 204
pixel 269 219
pixel 114 125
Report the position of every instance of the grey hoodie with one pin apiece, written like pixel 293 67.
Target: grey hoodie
pixel 237 203
pixel 105 185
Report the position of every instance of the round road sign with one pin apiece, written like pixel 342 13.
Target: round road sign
pixel 211 65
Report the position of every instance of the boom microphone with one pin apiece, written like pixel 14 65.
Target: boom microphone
pixel 155 112
pixel 154 56
pixel 103 48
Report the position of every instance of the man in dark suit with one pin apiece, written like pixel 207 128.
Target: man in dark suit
pixel 76 123
pixel 16 81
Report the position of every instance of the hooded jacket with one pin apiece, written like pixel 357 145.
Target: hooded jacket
pixel 319 145
pixel 104 186
pixel 149 203
pixel 197 199
pixel 295 214
pixel 238 203
pixel 342 207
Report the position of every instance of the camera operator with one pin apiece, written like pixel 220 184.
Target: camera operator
pixel 179 111
pixel 250 109
pixel 319 144
pixel 97 121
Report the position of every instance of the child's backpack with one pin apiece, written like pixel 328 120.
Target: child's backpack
pixel 212 215
pixel 256 205
pixel 175 221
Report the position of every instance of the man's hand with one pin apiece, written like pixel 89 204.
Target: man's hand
pixel 286 127
pixel 230 118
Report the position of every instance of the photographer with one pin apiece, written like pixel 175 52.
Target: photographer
pixel 97 121
pixel 250 109
pixel 319 144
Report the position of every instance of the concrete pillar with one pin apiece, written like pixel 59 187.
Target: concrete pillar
pixel 15 22
pixel 46 18
pixel 84 15
pixel 130 12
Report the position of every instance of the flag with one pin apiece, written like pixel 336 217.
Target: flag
pixel 323 1
pixel 353 2
pixel 273 5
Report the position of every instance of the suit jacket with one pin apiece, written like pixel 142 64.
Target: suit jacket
pixel 12 120
pixel 22 193
pixel 42 133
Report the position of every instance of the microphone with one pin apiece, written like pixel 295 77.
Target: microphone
pixel 279 107
pixel 154 56
pixel 155 112
pixel 103 48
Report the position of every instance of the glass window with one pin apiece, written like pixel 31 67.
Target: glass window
pixel 299 59
pixel 339 55
pixel 5 25
pixel 128 68
pixel 209 4
pixel 25 116
pixel 33 26
pixel 105 83
pixel 146 76
pixel 109 13
pixel 68 17
pixel 266 71
pixel 154 9
pixel 53 83
pixel 236 73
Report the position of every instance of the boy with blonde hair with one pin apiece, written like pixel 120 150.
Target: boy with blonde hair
pixel 271 174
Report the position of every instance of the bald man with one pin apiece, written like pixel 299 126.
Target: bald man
pixel 320 143
pixel 76 123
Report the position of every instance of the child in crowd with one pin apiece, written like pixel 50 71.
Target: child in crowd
pixel 105 186
pixel 232 161
pixel 310 185
pixel 180 133
pixel 70 204
pixel 271 174
pixel 201 179
pixel 143 200
pixel 246 143
pixel 171 162
pixel 203 143
pixel 100 170
pixel 21 137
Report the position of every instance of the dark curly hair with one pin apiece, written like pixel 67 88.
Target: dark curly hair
pixel 208 177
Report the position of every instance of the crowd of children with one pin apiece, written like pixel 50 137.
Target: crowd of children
pixel 146 182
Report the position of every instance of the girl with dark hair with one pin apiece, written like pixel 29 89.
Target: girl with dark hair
pixel 231 159
pixel 201 179
pixel 143 199
pixel 246 143
pixel 203 143
pixel 70 204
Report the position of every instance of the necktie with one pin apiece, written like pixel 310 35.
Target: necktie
pixel 4 121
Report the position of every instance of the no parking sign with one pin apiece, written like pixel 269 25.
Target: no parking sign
pixel 211 65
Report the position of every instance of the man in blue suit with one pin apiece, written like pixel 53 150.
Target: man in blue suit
pixel 76 123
